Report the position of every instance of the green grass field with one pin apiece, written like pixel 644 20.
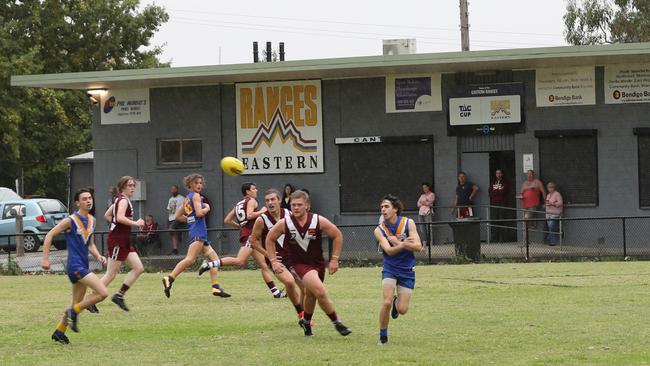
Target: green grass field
pixel 488 314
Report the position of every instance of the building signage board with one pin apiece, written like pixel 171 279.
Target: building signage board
pixel 485 109
pixel 567 86
pixel 627 84
pixel 280 127
pixel 120 106
pixel 413 93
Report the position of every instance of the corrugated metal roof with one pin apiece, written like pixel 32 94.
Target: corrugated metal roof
pixel 369 66
pixel 87 156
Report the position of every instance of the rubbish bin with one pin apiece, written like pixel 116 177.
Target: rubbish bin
pixel 467 238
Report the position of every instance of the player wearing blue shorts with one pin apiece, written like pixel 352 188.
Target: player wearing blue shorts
pixel 194 212
pixel 398 238
pixel 79 228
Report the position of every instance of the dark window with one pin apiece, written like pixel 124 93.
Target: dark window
pixel 570 159
pixel 16 207
pixel 644 166
pixel 180 151
pixel 397 165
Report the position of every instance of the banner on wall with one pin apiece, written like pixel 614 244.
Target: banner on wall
pixel 627 84
pixel 566 86
pixel 413 93
pixel 485 109
pixel 280 127
pixel 119 106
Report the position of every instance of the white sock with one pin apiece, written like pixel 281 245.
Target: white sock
pixel 214 264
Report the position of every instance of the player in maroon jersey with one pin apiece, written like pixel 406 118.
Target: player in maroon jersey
pixel 243 217
pixel 303 245
pixel 120 214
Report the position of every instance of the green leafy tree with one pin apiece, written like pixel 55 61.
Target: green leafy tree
pixel 605 21
pixel 40 127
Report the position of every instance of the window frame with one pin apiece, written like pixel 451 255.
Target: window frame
pixel 539 134
pixel 180 163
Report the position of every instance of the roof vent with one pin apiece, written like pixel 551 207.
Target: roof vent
pixel 399 46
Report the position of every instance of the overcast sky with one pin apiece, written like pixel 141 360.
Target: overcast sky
pixel 198 29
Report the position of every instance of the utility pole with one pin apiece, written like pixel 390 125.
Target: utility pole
pixel 464 26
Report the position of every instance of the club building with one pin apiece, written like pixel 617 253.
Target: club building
pixel 353 129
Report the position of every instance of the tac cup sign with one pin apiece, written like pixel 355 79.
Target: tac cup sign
pixel 280 127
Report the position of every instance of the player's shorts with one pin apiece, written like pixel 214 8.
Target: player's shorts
pixel 119 251
pixel 77 273
pixel 243 241
pixel 301 270
pixel 203 239
pixel 402 279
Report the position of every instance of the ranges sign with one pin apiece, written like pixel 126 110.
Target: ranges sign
pixel 280 127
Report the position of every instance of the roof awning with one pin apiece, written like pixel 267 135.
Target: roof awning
pixel 352 67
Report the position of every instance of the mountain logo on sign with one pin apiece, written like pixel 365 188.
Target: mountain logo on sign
pixel 278 128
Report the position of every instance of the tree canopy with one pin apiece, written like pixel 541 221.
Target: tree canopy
pixel 607 21
pixel 40 127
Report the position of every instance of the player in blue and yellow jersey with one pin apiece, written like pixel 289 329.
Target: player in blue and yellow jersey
pixel 194 212
pixel 398 238
pixel 79 228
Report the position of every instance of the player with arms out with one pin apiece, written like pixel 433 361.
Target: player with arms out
pixel 243 217
pixel 194 212
pixel 304 247
pixel 120 215
pixel 398 238
pixel 79 228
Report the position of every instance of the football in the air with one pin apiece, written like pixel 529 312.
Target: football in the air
pixel 232 166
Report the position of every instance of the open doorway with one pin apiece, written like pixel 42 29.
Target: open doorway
pixel 505 160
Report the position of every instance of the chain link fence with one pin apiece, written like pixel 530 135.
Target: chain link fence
pixel 453 241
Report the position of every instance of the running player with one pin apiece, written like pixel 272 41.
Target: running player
pixel 79 228
pixel 243 217
pixel 303 245
pixel 398 238
pixel 120 214
pixel 195 211
pixel 263 224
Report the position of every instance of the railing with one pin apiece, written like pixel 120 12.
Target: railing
pixel 616 237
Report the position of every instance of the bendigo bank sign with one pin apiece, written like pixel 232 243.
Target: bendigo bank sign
pixel 279 127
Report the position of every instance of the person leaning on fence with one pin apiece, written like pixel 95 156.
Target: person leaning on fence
pixel 554 206
pixel 465 192
pixel 425 214
pixel 147 236
pixel 531 189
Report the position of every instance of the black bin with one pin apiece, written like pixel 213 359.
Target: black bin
pixel 467 238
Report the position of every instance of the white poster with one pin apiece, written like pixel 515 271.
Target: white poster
pixel 627 84
pixel 484 110
pixel 125 106
pixel 280 127
pixel 566 86
pixel 413 93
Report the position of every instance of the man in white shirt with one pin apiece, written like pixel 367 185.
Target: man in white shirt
pixel 175 201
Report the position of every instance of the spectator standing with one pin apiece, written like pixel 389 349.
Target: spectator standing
pixel 286 196
pixel 175 201
pixel 425 214
pixel 147 235
pixel 532 190
pixel 554 206
pixel 465 193
pixel 498 192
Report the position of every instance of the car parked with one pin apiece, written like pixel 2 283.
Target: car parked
pixel 39 216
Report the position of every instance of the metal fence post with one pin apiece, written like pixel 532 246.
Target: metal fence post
pixel 527 239
pixel 624 239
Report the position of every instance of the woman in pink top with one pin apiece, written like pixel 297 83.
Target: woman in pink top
pixel 531 189
pixel 554 206
pixel 425 206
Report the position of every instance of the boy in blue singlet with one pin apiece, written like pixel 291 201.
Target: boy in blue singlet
pixel 398 238
pixel 194 212
pixel 79 228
